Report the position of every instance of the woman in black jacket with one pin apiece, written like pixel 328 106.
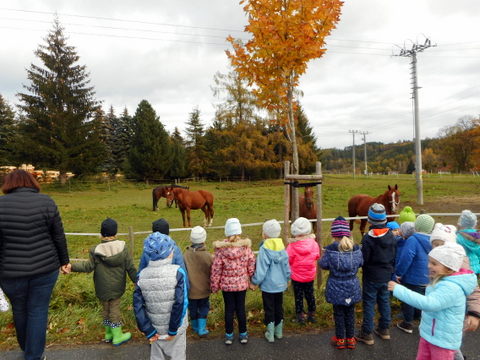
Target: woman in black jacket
pixel 32 250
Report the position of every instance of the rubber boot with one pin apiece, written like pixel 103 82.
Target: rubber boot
pixel 108 334
pixel 119 337
pixel 202 327
pixel 194 325
pixel 269 334
pixel 279 330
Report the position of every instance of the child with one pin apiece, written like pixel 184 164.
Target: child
pixel 378 250
pixel 303 253
pixel 443 305
pixel 394 227
pixel 160 300
pixel 272 275
pixel 233 265
pixel 110 261
pixel 465 237
pixel 343 259
pixel 412 266
pixel 407 229
pixel 199 262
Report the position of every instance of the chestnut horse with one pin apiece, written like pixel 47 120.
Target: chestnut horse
pixel 162 191
pixel 307 207
pixel 359 205
pixel 192 200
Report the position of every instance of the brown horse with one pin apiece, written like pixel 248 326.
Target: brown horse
pixel 307 207
pixel 192 200
pixel 359 205
pixel 162 191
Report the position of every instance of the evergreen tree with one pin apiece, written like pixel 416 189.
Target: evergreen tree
pixel 7 132
pixel 57 127
pixel 108 139
pixel 179 156
pixel 196 150
pixel 307 149
pixel 150 152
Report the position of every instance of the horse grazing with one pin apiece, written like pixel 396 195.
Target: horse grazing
pixel 192 200
pixel 359 205
pixel 307 207
pixel 162 191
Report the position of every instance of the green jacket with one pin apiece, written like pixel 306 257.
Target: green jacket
pixel 109 261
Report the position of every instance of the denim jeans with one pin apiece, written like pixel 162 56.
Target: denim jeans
pixel 30 297
pixel 198 308
pixel 375 293
pixel 409 312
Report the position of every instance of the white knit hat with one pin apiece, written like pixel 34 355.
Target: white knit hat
pixel 467 220
pixel 198 235
pixel 301 226
pixel 450 255
pixel 233 227
pixel 446 233
pixel 271 229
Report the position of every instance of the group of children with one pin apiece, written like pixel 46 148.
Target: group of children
pixel 419 261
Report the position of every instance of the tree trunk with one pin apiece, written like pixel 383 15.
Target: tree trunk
pixel 63 177
pixel 291 124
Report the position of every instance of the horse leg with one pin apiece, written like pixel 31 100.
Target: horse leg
pixel 210 214
pixel 351 225
pixel 154 202
pixel 183 217
pixel 188 217
pixel 206 218
pixel 363 222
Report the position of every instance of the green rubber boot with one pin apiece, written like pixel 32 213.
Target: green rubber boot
pixel 279 330
pixel 269 334
pixel 119 337
pixel 108 334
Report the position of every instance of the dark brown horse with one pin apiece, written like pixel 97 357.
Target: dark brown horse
pixel 359 205
pixel 192 200
pixel 307 207
pixel 162 191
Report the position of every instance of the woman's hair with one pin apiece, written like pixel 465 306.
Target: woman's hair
pixel 346 244
pixel 17 179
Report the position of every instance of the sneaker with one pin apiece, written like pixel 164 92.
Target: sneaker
pixel 365 338
pixel 383 333
pixel 300 318
pixel 243 338
pixel 229 339
pixel 405 326
pixel 351 343
pixel 338 343
pixel 311 318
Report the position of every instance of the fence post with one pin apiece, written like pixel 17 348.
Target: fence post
pixel 318 168
pixel 286 217
pixel 131 237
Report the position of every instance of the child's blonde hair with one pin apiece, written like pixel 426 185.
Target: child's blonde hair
pixel 346 244
pixel 234 238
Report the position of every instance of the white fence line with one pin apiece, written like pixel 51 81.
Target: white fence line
pixel 258 224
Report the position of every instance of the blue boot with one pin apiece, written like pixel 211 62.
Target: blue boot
pixel 194 325
pixel 202 327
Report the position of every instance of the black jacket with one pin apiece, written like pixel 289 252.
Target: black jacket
pixel 32 240
pixel 379 248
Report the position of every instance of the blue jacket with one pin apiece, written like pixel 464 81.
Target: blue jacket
pixel 272 271
pixel 471 248
pixel 443 308
pixel 343 286
pixel 412 265
pixel 400 242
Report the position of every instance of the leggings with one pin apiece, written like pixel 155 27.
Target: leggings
pixel 301 289
pixel 235 303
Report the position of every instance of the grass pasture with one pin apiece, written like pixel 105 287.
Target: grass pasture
pixel 75 315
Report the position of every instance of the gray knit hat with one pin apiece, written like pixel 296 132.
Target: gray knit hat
pixel 301 226
pixel 198 235
pixel 271 228
pixel 408 229
pixel 377 214
pixel 467 220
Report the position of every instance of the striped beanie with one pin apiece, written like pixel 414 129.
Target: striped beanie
pixel 340 228
pixel 377 214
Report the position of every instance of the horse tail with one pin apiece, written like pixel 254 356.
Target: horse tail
pixel 154 199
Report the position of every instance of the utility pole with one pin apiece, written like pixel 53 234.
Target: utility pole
pixel 353 132
pixel 412 53
pixel 364 133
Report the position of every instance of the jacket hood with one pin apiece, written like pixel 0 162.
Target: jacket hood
pixel 424 241
pixel 378 234
pixel 232 249
pixel 274 250
pixel 466 279
pixel 111 252
pixel 275 244
pixel 303 247
pixel 342 260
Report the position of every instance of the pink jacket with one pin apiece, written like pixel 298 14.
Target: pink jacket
pixel 303 253
pixel 233 265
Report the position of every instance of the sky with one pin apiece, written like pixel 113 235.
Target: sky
pixel 168 52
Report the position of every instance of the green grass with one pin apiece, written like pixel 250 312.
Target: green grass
pixel 75 314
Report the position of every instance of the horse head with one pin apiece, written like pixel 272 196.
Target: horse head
pixel 168 194
pixel 393 198
pixel 308 197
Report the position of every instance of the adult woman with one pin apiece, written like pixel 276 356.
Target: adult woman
pixel 32 249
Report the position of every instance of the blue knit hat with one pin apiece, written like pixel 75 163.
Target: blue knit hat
pixel 393 225
pixel 340 228
pixel 158 246
pixel 377 214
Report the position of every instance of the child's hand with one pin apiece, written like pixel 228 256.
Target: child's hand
pixel 66 269
pixel 471 323
pixel 391 285
pixel 253 287
pixel 154 338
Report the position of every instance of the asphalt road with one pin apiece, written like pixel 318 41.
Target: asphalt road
pixel 312 346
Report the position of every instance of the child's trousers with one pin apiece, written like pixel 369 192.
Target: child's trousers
pixel 301 289
pixel 198 308
pixel 427 351
pixel 344 321
pixel 235 304
pixel 170 350
pixel 111 311
pixel 273 306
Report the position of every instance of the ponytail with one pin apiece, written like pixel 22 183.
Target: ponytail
pixel 346 244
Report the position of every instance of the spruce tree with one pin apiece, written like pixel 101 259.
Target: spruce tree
pixel 150 151
pixel 179 156
pixel 58 129
pixel 7 132
pixel 195 142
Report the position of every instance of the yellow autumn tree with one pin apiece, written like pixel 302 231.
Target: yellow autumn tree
pixel 284 36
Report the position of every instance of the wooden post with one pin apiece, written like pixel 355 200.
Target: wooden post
pixel 286 217
pixel 318 234
pixel 131 236
pixel 295 203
